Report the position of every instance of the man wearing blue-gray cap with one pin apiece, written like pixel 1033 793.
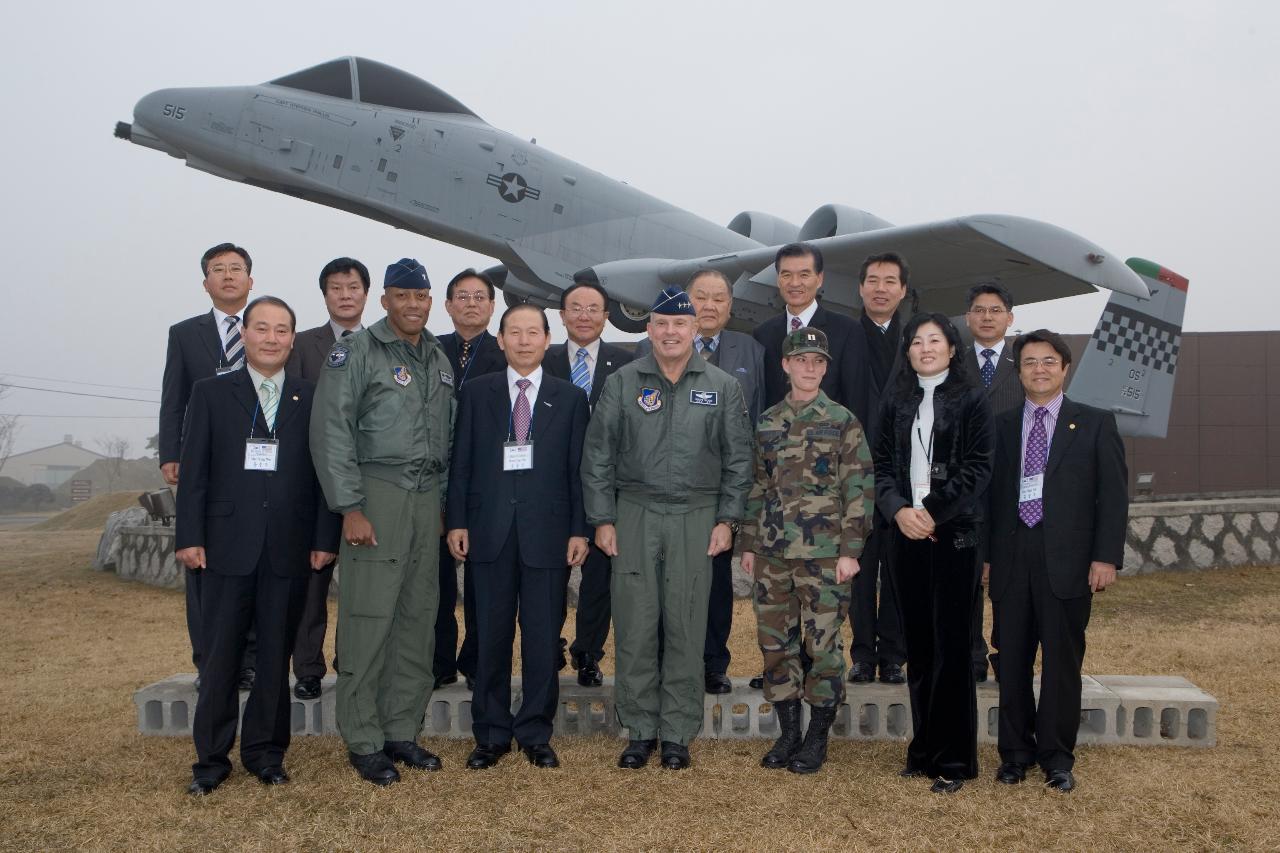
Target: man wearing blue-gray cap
pixel 665 473
pixel 380 438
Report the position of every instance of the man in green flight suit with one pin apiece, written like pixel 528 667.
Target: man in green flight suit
pixel 380 439
pixel 806 521
pixel 665 473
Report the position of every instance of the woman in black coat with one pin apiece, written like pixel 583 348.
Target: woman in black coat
pixel 933 459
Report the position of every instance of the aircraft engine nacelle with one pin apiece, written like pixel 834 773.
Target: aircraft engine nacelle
pixel 764 228
pixel 832 219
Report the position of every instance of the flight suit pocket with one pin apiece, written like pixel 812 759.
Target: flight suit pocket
pixel 370 583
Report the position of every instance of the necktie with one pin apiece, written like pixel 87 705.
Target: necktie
pixel 1032 512
pixel 709 351
pixel 988 371
pixel 581 375
pixel 465 356
pixel 521 417
pixel 795 323
pixel 270 402
pixel 346 332
pixel 234 347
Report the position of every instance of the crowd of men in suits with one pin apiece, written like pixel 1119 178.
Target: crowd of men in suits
pixel 400 456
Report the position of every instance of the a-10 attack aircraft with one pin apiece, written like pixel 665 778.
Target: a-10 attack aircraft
pixel 363 137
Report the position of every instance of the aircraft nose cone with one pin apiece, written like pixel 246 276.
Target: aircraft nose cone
pixel 160 106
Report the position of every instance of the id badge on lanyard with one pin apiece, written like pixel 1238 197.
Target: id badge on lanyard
pixel 1031 488
pixel 517 457
pixel 261 454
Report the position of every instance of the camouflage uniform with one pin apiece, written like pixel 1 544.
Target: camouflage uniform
pixel 809 505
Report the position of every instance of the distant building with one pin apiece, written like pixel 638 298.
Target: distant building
pixel 50 466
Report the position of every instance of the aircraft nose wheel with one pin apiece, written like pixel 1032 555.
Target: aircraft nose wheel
pixel 627 319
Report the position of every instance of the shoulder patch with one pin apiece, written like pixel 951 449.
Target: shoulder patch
pixel 337 356
pixel 446 378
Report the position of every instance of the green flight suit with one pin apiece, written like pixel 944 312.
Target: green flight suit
pixel 664 463
pixel 380 437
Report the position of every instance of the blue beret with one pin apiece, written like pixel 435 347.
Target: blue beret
pixel 408 274
pixel 673 300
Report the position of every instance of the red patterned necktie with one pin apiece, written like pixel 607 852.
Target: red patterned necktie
pixel 521 416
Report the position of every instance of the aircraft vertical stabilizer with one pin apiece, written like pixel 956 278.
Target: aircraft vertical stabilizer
pixel 1129 363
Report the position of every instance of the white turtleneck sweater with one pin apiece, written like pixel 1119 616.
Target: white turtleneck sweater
pixel 922 439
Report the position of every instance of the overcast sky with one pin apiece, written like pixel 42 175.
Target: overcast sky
pixel 1147 127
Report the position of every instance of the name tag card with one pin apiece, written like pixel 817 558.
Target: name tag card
pixel 517 457
pixel 1031 489
pixel 225 369
pixel 918 494
pixel 261 454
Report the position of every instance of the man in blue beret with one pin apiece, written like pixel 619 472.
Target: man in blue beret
pixel 380 438
pixel 665 473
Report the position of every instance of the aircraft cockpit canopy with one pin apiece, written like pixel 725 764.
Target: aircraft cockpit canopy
pixel 370 82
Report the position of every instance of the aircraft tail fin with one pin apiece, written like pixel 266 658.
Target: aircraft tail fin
pixel 1129 363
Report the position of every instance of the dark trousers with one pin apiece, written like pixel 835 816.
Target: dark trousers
pixel 1030 614
pixel 449 659
pixel 230 605
pixel 591 625
pixel 308 643
pixel 715 654
pixel 877 630
pixel 937 583
pixel 980 648
pixel 193 582
pixel 504 588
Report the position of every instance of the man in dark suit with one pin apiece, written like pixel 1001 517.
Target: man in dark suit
pixel 989 317
pixel 587 362
pixel 515 511
pixel 742 357
pixel 252 522
pixel 344 282
pixel 206 345
pixel 1057 513
pixel 473 352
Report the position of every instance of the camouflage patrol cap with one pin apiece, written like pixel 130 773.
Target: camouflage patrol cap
pixel 803 340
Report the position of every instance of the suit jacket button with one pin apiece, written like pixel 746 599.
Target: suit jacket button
pixel 264 504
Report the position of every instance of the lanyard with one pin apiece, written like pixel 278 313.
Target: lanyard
pixel 462 380
pixel 928 451
pixel 253 421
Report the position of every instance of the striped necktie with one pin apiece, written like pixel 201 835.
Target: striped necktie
pixel 581 375
pixel 270 401
pixel 234 348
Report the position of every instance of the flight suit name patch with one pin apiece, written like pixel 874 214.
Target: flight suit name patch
pixel 446 378
pixel 704 398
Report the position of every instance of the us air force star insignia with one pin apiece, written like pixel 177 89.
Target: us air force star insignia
pixel 650 399
pixel 446 378
pixel 704 398
pixel 401 374
pixel 337 356
pixel 513 187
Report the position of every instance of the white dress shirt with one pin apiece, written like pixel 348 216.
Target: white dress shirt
pixel 338 329
pixel 571 349
pixel 805 316
pixel 535 378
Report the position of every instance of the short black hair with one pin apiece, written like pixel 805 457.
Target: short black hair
pixel 716 273
pixel 222 249
pixel 578 285
pixel 1041 336
pixel 463 276
pixel 269 300
pixel 338 265
pixel 502 321
pixel 798 250
pixel 995 290
pixel 904 274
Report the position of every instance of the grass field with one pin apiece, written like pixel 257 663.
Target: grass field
pixel 75 774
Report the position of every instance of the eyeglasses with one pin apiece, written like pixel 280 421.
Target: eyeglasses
pixel 222 269
pixel 1048 361
pixel 478 298
pixel 584 311
pixel 994 312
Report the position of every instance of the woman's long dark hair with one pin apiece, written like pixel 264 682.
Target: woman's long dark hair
pixel 905 383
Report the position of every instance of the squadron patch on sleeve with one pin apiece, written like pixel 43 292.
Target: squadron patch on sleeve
pixel 337 356
pixel 446 378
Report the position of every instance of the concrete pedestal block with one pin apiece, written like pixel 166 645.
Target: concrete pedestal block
pixel 1162 710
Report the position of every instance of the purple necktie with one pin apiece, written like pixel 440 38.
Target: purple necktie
pixel 795 323
pixel 521 415
pixel 1032 512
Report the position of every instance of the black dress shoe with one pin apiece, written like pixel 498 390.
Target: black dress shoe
pixel 374 767
pixel 675 756
pixel 245 681
pixel 445 680
pixel 589 674
pixel 1060 780
pixel 308 687
pixel 203 787
pixel 561 660
pixel 756 682
pixel 994 657
pixel 912 771
pixel 980 672
pixel 485 755
pixel 862 673
pixel 637 753
pixel 273 775
pixel 718 683
pixel 409 754
pixel 891 673
pixel 196 683
pixel 541 755
pixel 1011 773
pixel 946 786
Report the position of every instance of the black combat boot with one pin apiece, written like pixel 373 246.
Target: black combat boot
pixel 813 752
pixel 784 748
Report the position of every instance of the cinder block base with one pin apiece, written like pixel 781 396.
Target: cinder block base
pixel 1115 709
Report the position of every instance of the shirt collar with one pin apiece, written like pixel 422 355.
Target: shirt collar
pixel 535 379
pixel 1054 406
pixel 220 319
pixel 806 316
pixel 998 346
pixel 338 330
pixel 593 351
pixel 697 341
pixel 277 379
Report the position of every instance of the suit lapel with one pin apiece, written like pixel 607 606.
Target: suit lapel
pixel 1011 440
pixel 1064 432
pixel 545 408
pixel 211 337
pixel 247 396
pixel 290 402
pixel 500 408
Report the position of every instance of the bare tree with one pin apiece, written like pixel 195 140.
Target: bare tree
pixel 114 447
pixel 8 429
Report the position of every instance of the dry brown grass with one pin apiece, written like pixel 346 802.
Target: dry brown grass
pixel 90 515
pixel 75 774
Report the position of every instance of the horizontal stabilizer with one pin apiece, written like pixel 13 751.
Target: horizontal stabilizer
pixel 1129 364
